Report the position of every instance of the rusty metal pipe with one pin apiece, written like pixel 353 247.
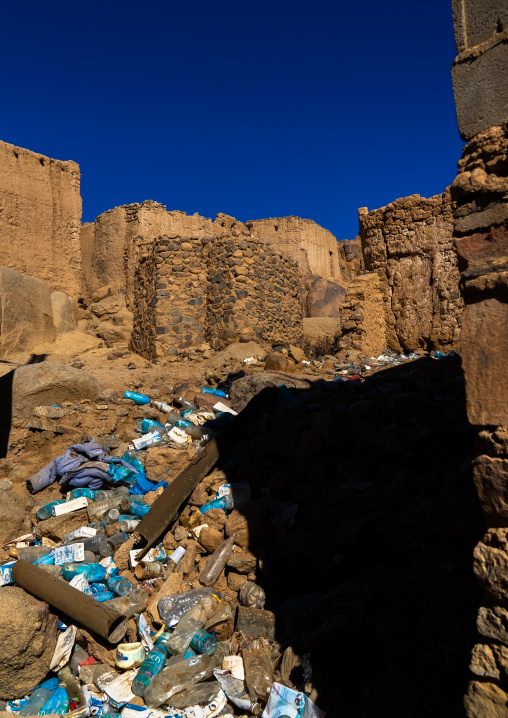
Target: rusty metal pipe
pixel 83 609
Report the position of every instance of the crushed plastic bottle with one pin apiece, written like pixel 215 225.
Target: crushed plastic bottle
pixel 57 703
pixel 91 571
pixel 172 608
pixel 252 595
pixel 134 602
pixel 176 678
pixel 191 623
pixel 216 562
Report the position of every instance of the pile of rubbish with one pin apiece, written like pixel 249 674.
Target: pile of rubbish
pixel 313 556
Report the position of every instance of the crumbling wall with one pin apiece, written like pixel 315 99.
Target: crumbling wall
pixel 313 247
pixel 350 258
pixel 363 317
pixel 253 291
pixel 409 244
pixel 192 292
pixel 40 218
pixel 114 231
pixel 480 193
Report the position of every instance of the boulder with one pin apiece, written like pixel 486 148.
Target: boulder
pixel 25 311
pixel 238 351
pixel 485 700
pixel 69 344
pixel 108 306
pixel 242 390
pixel 112 333
pixel 28 633
pixel 50 383
pixel 323 297
pixel 65 312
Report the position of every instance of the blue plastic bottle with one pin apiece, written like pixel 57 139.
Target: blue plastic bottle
pixel 139 509
pixel 39 697
pixel 45 511
pixel 204 642
pixel 215 392
pixel 57 703
pixel 76 493
pixel 120 586
pixel 137 398
pixel 225 503
pixel 92 571
pixel 151 666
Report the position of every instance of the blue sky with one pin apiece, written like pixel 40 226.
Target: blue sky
pixel 255 109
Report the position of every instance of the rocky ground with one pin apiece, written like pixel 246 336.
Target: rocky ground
pixel 360 529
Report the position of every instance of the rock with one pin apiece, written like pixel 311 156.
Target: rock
pixel 50 383
pixel 323 297
pixel 255 622
pixel 485 700
pixel 296 353
pixel 103 652
pixel 210 538
pixel 216 518
pixel 238 351
pixel 490 563
pixel 27 316
pixel 483 663
pixel 236 581
pixel 493 623
pixel 242 562
pixel 112 333
pixel 491 480
pixel 108 306
pixel 276 362
pixel 65 312
pixel 56 527
pixel 13 521
pixel 99 294
pixel 122 554
pixel 164 464
pixel 244 389
pixel 28 633
pixel 68 345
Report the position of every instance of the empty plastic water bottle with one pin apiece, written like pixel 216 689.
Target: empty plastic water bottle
pixel 96 509
pixel 191 623
pixel 99 545
pixel 163 407
pixel 216 562
pixel 128 525
pixel 139 509
pixel 30 553
pixel 151 666
pixel 91 571
pixel 77 493
pixel 172 608
pixel 142 426
pixel 79 655
pixel 137 398
pixel 177 678
pixel 215 392
pixel 185 404
pixel 118 539
pixel 45 511
pixel 225 503
pixel 134 602
pixel 120 586
pixel 39 697
pixel 204 642
pixel 57 703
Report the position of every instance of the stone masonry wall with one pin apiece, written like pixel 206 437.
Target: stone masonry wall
pixel 409 244
pixel 192 292
pixel 313 247
pixel 40 218
pixel 350 258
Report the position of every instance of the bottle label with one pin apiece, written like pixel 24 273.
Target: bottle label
pixel 68 506
pixel 69 554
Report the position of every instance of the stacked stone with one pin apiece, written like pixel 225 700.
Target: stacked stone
pixel 409 243
pixel 350 258
pixel 253 291
pixel 143 338
pixel 181 266
pixel 363 326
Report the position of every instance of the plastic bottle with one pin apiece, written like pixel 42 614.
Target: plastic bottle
pixel 216 562
pixel 172 608
pixel 102 494
pixel 57 703
pixel 177 678
pixel 128 525
pixel 104 596
pixel 224 502
pixel 201 694
pixel 215 392
pixel 30 553
pixel 191 623
pixel 97 509
pixel 204 642
pixel 185 404
pixel 176 420
pixel 252 595
pixel 174 559
pixel 120 586
pixel 92 672
pixel 138 508
pixel 137 398
pixel 134 602
pixel 142 426
pixel 99 545
pixel 151 666
pixel 111 517
pixel 79 655
pixel 118 539
pixel 39 697
pixel 163 407
pixel 45 511
pixel 76 493
pixel 258 672
pixel 91 571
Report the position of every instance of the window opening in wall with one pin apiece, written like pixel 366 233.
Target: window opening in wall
pixel 276 228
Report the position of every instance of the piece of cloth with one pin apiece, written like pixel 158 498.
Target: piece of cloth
pixel 82 465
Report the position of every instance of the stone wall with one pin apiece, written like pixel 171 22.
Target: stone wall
pixel 350 258
pixel 40 218
pixel 480 68
pixel 409 244
pixel 363 317
pixel 313 247
pixel 192 292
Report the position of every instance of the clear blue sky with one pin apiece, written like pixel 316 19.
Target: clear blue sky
pixel 253 108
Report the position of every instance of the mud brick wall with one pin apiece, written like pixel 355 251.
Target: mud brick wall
pixel 313 247
pixel 253 290
pixel 409 243
pixel 350 258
